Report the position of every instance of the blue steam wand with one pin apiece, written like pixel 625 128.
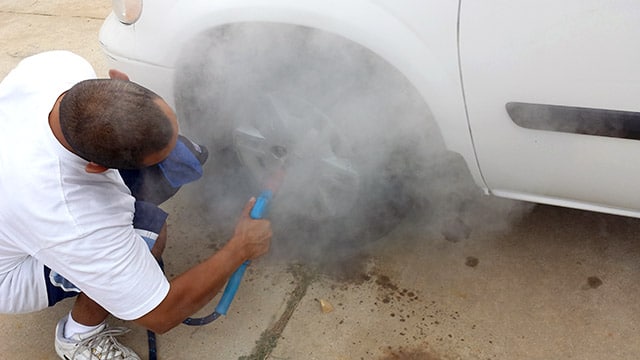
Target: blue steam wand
pixel 257 212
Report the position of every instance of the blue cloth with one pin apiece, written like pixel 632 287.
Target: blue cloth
pixel 157 183
pixel 181 166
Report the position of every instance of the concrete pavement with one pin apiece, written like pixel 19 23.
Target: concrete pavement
pixel 538 283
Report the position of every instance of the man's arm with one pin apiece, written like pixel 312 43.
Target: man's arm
pixel 193 289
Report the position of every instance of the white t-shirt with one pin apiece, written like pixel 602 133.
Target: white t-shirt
pixel 53 212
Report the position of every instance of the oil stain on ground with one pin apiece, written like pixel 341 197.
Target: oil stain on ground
pixel 472 261
pixel 409 354
pixel 594 282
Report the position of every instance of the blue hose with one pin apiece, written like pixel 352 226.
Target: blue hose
pixel 257 212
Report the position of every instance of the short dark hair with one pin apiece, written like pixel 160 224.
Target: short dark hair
pixel 114 123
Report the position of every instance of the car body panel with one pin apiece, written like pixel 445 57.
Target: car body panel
pixel 578 53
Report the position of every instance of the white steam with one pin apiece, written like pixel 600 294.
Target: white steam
pixel 376 123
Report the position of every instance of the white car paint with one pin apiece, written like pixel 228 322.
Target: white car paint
pixel 575 52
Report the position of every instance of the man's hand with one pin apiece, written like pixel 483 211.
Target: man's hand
pixel 251 236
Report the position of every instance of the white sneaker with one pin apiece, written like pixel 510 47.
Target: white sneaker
pixel 97 344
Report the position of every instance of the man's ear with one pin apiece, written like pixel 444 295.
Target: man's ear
pixel 118 75
pixel 93 168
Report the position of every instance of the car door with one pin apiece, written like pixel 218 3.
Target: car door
pixel 553 93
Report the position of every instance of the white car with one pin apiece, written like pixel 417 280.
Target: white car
pixel 541 98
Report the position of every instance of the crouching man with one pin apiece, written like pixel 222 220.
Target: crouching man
pixel 76 218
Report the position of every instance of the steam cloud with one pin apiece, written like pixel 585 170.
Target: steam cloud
pixel 376 120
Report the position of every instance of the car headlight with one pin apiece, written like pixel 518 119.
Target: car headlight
pixel 127 11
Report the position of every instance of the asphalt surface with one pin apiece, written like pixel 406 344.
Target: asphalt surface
pixel 498 280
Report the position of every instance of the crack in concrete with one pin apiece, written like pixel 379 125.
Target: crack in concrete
pixel 303 276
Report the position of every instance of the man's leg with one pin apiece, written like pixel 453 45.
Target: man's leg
pixel 83 334
pixel 87 312
pixel 161 242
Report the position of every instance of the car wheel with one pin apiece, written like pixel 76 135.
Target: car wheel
pixel 349 131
